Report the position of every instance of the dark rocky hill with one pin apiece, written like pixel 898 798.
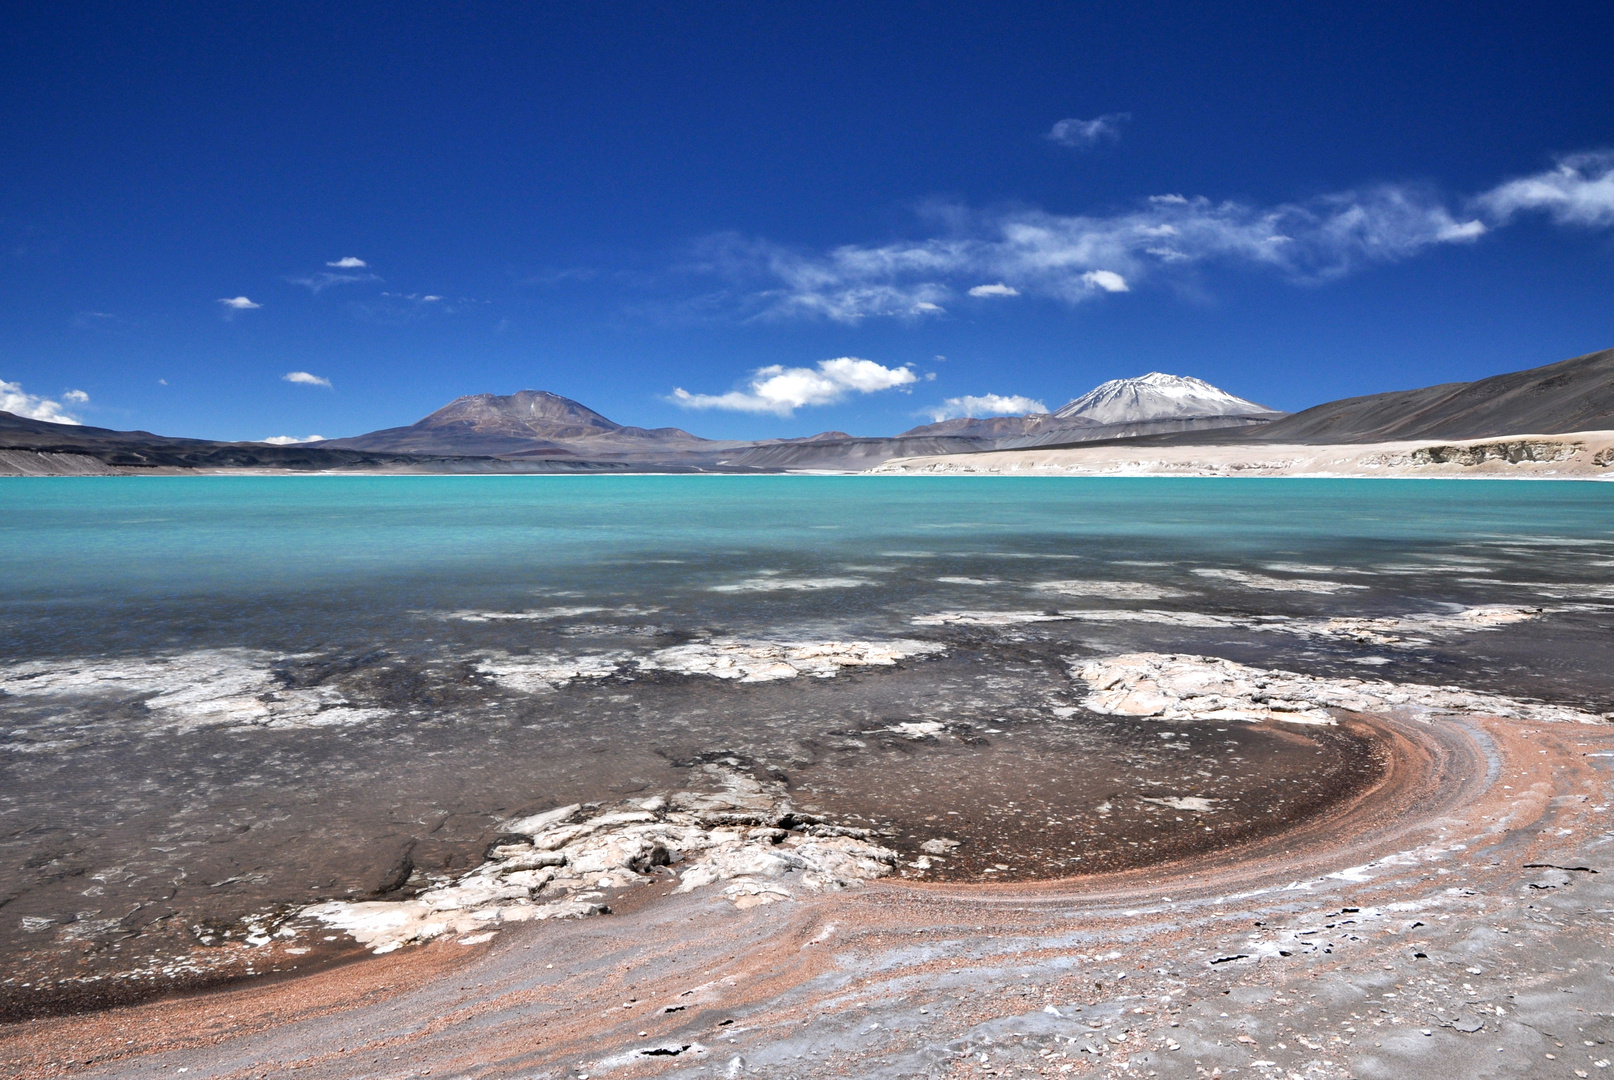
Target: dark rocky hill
pixel 1571 395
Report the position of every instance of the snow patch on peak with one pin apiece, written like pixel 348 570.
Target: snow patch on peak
pixel 1156 396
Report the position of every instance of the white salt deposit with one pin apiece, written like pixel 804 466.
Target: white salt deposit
pixel 538 615
pixel 764 661
pixel 1372 631
pixel 1272 584
pixel 1183 687
pixel 1406 629
pixel 1116 590
pixel 1186 802
pixel 986 618
pixel 537 674
pixel 746 835
pixel 773 581
pixel 204 688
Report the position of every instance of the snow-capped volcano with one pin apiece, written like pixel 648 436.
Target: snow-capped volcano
pixel 1156 396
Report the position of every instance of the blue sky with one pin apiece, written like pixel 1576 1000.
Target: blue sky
pixel 618 202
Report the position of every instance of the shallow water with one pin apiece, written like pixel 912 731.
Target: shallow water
pixel 227 693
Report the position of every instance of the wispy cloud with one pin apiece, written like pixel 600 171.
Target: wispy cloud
pixel 291 440
pixel 1108 280
pixel 238 303
pixel 318 283
pixel 985 405
pixel 780 390
pixel 305 379
pixel 348 262
pixel 14 400
pixel 1578 191
pixel 1084 134
pixel 1077 257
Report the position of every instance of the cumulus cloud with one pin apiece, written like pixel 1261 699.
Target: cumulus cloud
pixel 348 262
pixel 1077 257
pixel 14 400
pixel 780 390
pixel 238 303
pixel 291 440
pixel 1578 191
pixel 986 405
pixel 1084 134
pixel 304 378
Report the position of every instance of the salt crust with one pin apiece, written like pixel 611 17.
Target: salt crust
pixel 771 581
pixel 1271 584
pixel 745 834
pixel 1406 630
pixel 741 661
pixel 1183 687
pixel 205 688
pixel 239 687
pixel 1119 590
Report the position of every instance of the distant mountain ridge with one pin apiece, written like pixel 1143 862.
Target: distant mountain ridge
pixel 537 431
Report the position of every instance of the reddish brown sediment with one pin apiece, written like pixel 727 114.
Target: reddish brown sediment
pixel 1463 815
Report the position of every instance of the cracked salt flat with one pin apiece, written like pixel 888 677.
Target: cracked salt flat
pixel 747 834
pixel 763 661
pixel 204 688
pixel 740 661
pixel 1376 631
pixel 1183 687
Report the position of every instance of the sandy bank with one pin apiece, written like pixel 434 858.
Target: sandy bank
pixel 1584 455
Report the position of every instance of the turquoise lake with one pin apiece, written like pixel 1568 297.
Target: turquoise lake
pixel 222 696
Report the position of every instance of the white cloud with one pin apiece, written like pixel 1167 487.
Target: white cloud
pixel 14 400
pixel 348 262
pixel 1077 257
pixel 1083 134
pixel 780 390
pixel 305 378
pixel 239 303
pixel 291 440
pixel 77 397
pixel 1579 191
pixel 999 289
pixel 1108 280
pixel 986 405
pixel 317 283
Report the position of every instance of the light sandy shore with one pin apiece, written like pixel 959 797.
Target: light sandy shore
pixel 1582 455
pixel 1453 921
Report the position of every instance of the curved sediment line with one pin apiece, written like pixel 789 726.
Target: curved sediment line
pixel 785 972
pixel 1429 769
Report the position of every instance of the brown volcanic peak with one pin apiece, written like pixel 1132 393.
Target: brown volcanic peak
pixel 527 414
